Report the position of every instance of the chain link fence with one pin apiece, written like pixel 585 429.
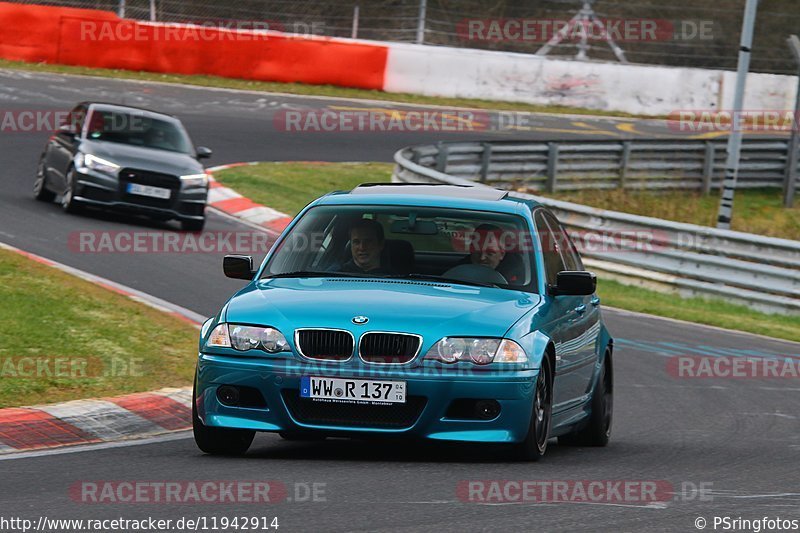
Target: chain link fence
pixel 689 33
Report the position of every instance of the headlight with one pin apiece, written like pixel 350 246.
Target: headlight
pixel 96 163
pixel 243 338
pixel 476 350
pixel 195 180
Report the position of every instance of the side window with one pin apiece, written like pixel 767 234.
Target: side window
pixel 568 251
pixel 550 248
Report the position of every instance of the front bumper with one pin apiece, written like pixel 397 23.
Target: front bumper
pixel 430 390
pixel 96 189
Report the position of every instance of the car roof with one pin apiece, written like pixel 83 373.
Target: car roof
pixel 432 189
pixel 107 106
pixel 428 195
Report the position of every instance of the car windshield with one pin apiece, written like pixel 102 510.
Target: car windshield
pixel 138 129
pixel 425 243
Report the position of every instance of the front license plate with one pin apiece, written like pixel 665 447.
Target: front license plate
pixel 338 389
pixel 149 190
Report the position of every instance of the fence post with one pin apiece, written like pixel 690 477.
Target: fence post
pixel 153 16
pixel 121 9
pixel 423 4
pixel 354 32
pixel 552 167
pixel 623 162
pixel 708 166
pixel 486 156
pixel 441 157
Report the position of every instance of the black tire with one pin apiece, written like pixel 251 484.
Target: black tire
pixel 219 441
pixel 68 203
pixel 193 225
pixel 40 191
pixel 534 446
pixel 597 430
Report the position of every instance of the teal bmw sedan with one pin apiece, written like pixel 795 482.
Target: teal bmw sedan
pixel 421 311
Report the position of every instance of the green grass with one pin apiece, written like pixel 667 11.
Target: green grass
pixel 307 90
pixel 290 186
pixel 712 312
pixel 106 343
pixel 755 210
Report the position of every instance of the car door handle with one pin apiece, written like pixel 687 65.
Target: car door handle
pixel 595 301
pixel 580 309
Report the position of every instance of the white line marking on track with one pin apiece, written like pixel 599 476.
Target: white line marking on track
pixel 177 435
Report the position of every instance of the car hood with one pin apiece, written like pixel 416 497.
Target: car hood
pixel 429 309
pixel 141 158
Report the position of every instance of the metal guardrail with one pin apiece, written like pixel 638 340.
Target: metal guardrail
pixel 596 164
pixel 762 272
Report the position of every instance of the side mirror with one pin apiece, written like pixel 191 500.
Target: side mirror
pixel 238 266
pixel 67 129
pixel 203 152
pixel 574 283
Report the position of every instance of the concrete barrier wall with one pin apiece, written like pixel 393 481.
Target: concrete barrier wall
pixel 640 89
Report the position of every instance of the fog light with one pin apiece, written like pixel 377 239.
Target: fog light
pixel 487 409
pixel 228 395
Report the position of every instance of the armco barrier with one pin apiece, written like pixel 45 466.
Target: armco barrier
pixel 605 164
pixel 96 38
pixel 758 271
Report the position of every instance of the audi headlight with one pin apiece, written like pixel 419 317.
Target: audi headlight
pixel 243 338
pixel 96 163
pixel 194 180
pixel 479 351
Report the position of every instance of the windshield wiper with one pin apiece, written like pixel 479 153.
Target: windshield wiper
pixel 432 277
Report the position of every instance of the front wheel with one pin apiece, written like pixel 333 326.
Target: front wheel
pixel 219 441
pixel 193 225
pixel 40 191
pixel 534 446
pixel 68 202
pixel 597 430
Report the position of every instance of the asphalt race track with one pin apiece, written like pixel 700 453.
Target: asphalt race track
pixel 737 439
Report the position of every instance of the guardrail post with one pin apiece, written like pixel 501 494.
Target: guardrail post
pixel 552 167
pixel 708 166
pixel 623 162
pixel 441 157
pixel 486 156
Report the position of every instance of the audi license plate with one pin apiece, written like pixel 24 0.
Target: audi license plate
pixel 353 389
pixel 149 190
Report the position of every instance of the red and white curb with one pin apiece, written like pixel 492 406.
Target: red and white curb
pixel 234 204
pixel 99 420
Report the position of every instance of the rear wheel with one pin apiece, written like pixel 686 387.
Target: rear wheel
pixel 219 441
pixel 534 446
pixel 40 191
pixel 597 431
